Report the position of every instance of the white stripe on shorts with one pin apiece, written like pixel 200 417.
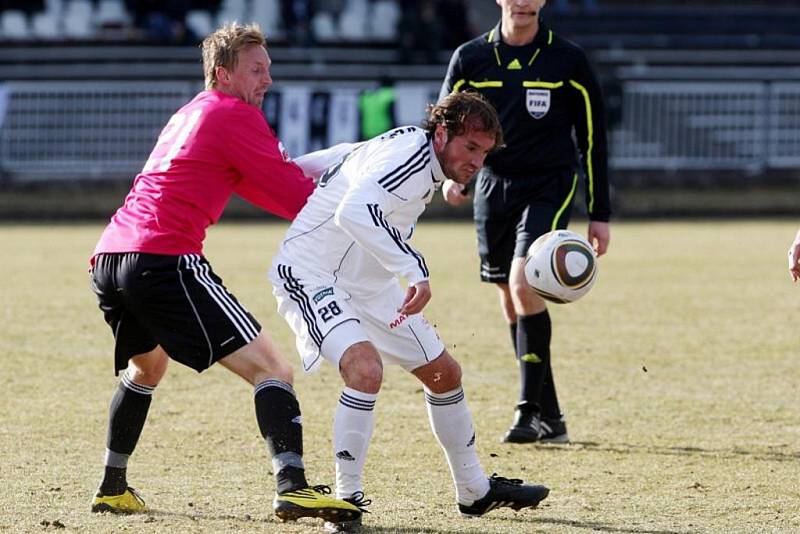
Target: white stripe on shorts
pixel 296 293
pixel 232 309
pixel 196 315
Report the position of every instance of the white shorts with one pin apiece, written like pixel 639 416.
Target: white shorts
pixel 327 320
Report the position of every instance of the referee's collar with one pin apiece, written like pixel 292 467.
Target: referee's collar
pixel 542 37
pixel 436 168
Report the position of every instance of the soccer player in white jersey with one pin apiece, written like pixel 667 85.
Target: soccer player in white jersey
pixel 336 282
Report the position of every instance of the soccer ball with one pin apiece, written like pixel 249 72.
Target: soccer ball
pixel 561 266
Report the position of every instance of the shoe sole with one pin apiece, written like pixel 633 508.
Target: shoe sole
pixel 102 508
pixel 348 526
pixel 518 439
pixel 545 492
pixel 561 438
pixel 292 512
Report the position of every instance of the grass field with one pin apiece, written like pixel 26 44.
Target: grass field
pixel 678 374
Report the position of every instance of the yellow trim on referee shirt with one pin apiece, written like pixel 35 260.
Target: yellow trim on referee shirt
pixel 481 85
pixel 554 226
pixel 590 144
pixel 496 53
pixel 546 85
pixel 476 85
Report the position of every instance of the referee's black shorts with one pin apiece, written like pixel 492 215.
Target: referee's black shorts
pixel 510 213
pixel 173 301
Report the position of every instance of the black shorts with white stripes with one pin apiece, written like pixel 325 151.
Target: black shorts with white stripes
pixel 173 301
pixel 510 213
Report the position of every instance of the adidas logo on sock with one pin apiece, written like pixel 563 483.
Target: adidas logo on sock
pixel 471 440
pixel 345 455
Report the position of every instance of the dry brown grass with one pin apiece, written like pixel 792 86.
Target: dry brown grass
pixel 678 374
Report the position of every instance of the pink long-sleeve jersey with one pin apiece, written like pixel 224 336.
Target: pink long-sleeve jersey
pixel 214 146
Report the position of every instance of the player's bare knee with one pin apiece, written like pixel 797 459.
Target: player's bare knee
pixel 520 291
pixel 148 369
pixel 441 375
pixel 362 370
pixel 363 376
pixel 526 301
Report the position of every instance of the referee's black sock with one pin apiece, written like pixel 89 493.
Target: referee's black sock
pixel 533 352
pixel 513 328
pixel 549 399
pixel 127 415
pixel 278 415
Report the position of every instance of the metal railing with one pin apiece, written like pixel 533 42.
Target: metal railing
pixel 78 130
pixel 83 130
pixel 708 125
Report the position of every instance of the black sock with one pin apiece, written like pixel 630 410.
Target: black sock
pixel 533 351
pixel 126 417
pixel 278 415
pixel 549 399
pixel 289 479
pixel 114 481
pixel 513 328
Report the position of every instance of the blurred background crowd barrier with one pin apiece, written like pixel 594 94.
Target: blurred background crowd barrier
pixel 703 97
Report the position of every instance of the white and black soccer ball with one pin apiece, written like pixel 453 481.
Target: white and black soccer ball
pixel 561 266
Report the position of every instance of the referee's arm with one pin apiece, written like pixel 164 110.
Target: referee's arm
pixel 590 131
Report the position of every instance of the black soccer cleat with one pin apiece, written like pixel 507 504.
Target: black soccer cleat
pixel 527 427
pixel 357 499
pixel 505 492
pixel 553 431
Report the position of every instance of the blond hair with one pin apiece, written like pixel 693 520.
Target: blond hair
pixel 221 48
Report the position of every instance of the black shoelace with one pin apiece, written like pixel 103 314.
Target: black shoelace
pixel 503 480
pixel 359 501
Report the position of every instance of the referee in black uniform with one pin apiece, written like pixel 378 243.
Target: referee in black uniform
pixel 547 98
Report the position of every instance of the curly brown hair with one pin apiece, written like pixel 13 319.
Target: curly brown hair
pixel 221 48
pixel 459 112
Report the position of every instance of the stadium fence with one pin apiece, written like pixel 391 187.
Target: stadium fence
pixel 105 130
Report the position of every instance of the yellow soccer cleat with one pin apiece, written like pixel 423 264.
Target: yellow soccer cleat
pixel 128 503
pixel 314 502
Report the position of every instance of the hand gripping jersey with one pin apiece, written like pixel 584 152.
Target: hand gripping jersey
pixel 355 228
pixel 214 146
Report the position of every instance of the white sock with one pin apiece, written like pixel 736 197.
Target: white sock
pixel 352 429
pixel 451 422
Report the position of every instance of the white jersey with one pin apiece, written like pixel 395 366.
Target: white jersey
pixel 354 230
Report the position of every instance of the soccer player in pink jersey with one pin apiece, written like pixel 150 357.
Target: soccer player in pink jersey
pixel 159 294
